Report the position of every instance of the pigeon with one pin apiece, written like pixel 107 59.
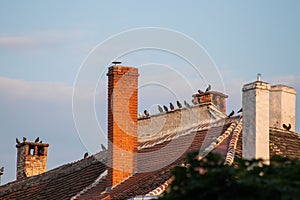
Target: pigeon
pixel 141 115
pixel 146 113
pixel 18 141
pixel 86 155
pixel 171 106
pixel 186 104
pixel 24 139
pixel 240 110
pixel 166 108
pixel 37 139
pixel 288 128
pixel 103 147
pixel 208 88
pixel 200 91
pixel 179 104
pixel 230 114
pixel 160 109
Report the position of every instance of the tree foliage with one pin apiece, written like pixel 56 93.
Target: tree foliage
pixel 209 178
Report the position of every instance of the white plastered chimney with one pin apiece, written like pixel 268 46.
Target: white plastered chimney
pixel 256 120
pixel 282 106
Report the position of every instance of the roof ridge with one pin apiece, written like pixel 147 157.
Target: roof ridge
pixel 218 140
pixel 233 143
pixel 284 131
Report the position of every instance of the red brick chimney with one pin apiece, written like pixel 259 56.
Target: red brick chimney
pixel 31 159
pixel 122 122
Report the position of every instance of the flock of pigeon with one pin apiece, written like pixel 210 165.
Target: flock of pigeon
pixel 24 140
pixel 164 108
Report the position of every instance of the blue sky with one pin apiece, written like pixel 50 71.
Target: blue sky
pixel 44 43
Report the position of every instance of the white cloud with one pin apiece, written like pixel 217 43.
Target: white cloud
pixel 17 41
pixel 37 40
pixel 36 91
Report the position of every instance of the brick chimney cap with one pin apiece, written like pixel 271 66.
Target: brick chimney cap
pixel 122 70
pixel 33 144
pixel 210 92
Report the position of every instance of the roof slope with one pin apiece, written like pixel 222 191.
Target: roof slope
pixel 60 183
pixel 157 156
pixel 282 142
pixel 151 174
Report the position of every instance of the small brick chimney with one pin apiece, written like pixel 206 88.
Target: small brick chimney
pixel 31 159
pixel 122 122
pixel 1 173
pixel 217 98
pixel 282 106
pixel 256 120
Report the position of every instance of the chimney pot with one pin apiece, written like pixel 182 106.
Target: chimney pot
pixel 259 77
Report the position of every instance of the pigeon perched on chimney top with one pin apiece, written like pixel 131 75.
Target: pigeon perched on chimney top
pixel 18 141
pixel 166 108
pixel 86 155
pixel 208 88
pixel 146 113
pixel 160 109
pixel 171 106
pixel 103 147
pixel 200 91
pixel 179 104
